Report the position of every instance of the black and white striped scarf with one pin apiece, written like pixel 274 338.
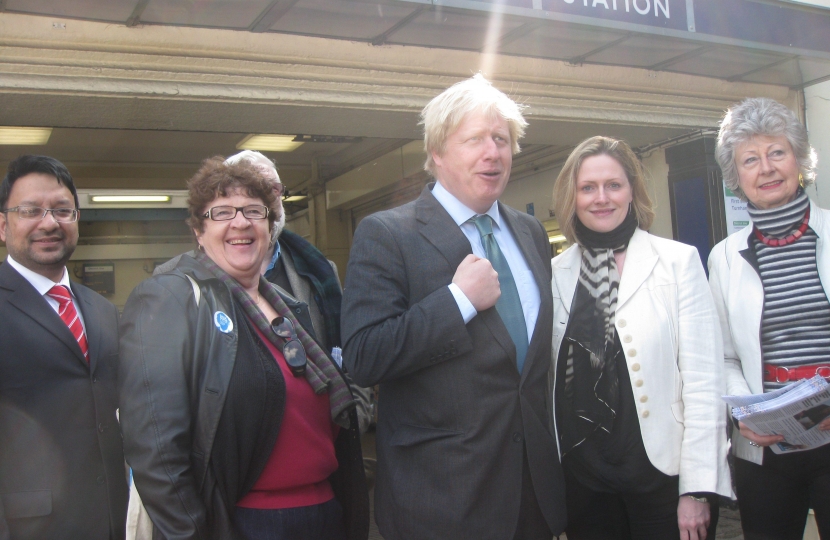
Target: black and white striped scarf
pixel 591 387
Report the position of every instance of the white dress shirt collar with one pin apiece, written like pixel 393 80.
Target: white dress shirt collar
pixel 457 210
pixel 41 284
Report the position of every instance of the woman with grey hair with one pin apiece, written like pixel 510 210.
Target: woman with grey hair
pixel 770 282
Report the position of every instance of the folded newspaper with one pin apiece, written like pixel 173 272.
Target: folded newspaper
pixel 794 411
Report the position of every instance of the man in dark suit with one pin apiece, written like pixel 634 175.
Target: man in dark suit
pixel 447 305
pixel 62 472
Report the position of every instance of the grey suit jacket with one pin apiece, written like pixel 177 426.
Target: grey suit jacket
pixel 454 414
pixel 62 469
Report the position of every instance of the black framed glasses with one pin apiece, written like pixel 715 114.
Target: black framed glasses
pixel 279 189
pixel 61 215
pixel 227 213
pixel 292 348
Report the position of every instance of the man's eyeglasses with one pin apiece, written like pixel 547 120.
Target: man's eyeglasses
pixel 227 213
pixel 292 347
pixel 279 189
pixel 61 215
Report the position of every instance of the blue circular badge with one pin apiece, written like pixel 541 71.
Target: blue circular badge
pixel 222 322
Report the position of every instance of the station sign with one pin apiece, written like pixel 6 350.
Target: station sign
pixel 662 13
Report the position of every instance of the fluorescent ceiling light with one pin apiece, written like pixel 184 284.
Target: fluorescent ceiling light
pixel 130 198
pixel 295 198
pixel 559 238
pixel 24 135
pixel 269 143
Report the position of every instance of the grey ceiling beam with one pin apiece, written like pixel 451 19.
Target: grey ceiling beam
pixel 736 78
pixel 681 57
pixel 519 31
pixel 3 5
pixel 804 85
pixel 380 39
pixel 579 60
pixel 271 14
pixel 135 16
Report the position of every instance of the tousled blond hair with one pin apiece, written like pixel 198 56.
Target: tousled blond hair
pixel 442 116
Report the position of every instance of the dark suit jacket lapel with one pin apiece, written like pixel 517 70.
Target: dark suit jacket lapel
pixel 439 229
pixel 93 334
pixel 524 239
pixel 31 304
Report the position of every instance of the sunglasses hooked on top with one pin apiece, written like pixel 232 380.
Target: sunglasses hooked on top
pixel 292 348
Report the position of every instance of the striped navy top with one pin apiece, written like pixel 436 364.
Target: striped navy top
pixel 795 325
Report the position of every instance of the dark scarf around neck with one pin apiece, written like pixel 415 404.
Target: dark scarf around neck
pixel 591 386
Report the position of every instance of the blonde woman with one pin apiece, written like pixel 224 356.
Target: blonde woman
pixel 638 375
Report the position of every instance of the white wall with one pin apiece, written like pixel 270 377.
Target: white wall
pixel 818 125
pixel 536 189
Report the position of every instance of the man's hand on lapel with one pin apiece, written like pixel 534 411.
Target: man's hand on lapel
pixel 478 281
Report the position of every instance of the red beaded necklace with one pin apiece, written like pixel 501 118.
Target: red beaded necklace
pixel 790 238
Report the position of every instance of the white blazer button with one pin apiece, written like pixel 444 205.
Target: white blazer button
pixel 621 322
pixel 643 399
pixel 632 352
pixel 635 367
pixel 645 414
pixel 638 383
pixel 627 339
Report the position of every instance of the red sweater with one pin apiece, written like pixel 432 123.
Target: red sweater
pixel 303 457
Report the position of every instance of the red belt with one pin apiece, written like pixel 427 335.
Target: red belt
pixel 782 374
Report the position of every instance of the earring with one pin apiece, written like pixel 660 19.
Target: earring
pixel 201 248
pixel 801 180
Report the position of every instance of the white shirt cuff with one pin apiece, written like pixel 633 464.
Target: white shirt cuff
pixel 468 311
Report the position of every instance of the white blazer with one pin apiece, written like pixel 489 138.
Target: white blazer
pixel 739 298
pixel 670 335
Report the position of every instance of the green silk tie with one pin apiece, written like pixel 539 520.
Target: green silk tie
pixel 509 305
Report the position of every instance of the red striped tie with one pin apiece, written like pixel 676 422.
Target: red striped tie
pixel 66 310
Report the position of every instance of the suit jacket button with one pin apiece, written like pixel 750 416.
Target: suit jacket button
pixel 100 480
pixel 517 437
pixel 102 427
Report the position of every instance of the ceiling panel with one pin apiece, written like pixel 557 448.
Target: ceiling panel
pixel 449 29
pixel 132 152
pixel 813 69
pixel 724 62
pixel 559 41
pixel 643 51
pixel 351 20
pixel 787 73
pixel 210 13
pixel 94 10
